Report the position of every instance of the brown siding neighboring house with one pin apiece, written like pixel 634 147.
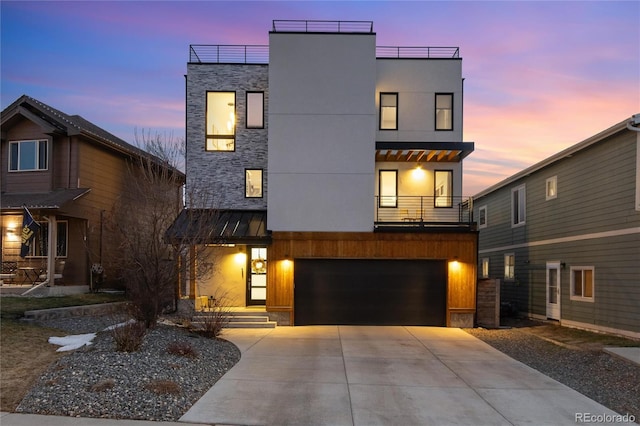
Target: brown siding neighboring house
pixel 78 173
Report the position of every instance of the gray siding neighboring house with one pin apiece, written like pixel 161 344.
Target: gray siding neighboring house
pixel 572 225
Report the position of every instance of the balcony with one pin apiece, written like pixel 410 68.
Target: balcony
pixel 425 212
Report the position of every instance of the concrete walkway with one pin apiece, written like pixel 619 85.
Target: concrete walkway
pixel 345 375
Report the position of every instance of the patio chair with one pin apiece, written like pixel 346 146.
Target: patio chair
pixel 57 273
pixel 9 271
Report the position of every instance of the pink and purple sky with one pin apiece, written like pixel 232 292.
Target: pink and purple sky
pixel 539 76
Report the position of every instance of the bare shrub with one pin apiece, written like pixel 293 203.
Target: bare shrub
pixel 128 336
pixel 163 387
pixel 182 349
pixel 103 385
pixel 215 319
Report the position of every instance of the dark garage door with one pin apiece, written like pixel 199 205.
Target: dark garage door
pixel 370 292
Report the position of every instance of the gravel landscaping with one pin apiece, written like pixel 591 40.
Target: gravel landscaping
pixel 153 384
pixel 150 384
pixel 613 382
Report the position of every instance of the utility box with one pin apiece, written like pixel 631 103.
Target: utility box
pixel 488 303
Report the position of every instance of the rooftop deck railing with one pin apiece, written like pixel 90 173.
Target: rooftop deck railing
pixel 306 26
pixel 423 212
pixel 259 54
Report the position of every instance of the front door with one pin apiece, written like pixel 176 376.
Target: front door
pixel 553 290
pixel 257 276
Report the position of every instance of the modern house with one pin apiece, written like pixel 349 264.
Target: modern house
pixel 563 235
pixel 336 169
pixel 69 173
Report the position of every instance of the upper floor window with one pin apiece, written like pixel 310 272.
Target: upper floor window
pixel 28 155
pixel 551 188
pixel 443 189
pixel 388 189
pixel 518 206
pixel 388 111
pixel 444 111
pixel 253 183
pixel 221 121
pixel 482 217
pixel 255 110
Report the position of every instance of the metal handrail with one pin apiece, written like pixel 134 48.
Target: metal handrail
pixel 318 26
pixel 423 210
pixel 231 54
pixel 417 52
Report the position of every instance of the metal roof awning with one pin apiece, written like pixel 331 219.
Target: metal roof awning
pixel 214 226
pixel 46 200
pixel 423 151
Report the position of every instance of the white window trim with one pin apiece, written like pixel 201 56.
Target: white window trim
pixel 484 261
pixel 572 295
pixel 486 220
pixel 18 142
pixel 522 187
pixel 554 180
pixel 509 278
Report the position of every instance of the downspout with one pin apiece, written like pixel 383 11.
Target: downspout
pixel 51 249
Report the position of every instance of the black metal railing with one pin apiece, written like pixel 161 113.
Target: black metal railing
pixel 229 54
pixel 405 52
pixel 313 26
pixel 426 211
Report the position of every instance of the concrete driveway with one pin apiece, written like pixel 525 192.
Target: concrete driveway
pixel 349 375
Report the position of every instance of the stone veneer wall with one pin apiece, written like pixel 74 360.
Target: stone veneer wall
pixel 218 177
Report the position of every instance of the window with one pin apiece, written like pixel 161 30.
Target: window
pixel 255 110
pixel 551 188
pixel 518 206
pixel 388 188
pixel 482 217
pixel 221 121
pixel 28 155
pixel 582 283
pixel 388 111
pixel 443 188
pixel 485 267
pixel 253 183
pixel 40 244
pixel 444 111
pixel 510 267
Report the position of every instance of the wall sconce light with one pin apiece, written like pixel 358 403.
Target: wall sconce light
pixel 563 265
pixel 286 262
pixel 455 265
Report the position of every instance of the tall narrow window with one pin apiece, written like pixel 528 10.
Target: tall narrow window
pixel 485 267
pixel 40 245
pixel 482 219
pixel 221 121
pixel 255 110
pixel 388 111
pixel 582 283
pixel 443 189
pixel 444 111
pixel 518 206
pixel 253 183
pixel 388 188
pixel 509 266
pixel 28 155
pixel 551 188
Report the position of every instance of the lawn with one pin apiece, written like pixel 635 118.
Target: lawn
pixel 24 349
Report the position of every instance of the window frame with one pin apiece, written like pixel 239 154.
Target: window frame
pixel 44 232
pixel 436 197
pixel 551 182
pixel 580 297
pixel 382 94
pixel 261 183
pixel 247 109
pixel 436 110
pixel 509 268
pixel 521 214
pixel 484 267
pixel 382 198
pixel 38 153
pixel 231 137
pixel 480 216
